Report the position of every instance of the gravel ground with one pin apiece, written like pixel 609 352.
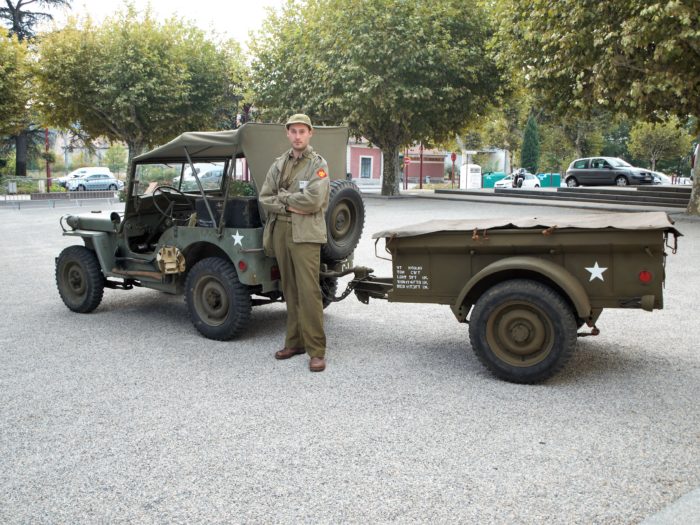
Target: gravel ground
pixel 127 414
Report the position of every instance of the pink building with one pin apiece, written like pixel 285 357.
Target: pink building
pixel 365 161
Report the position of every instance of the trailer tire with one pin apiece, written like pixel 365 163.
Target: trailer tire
pixel 79 279
pixel 522 331
pixel 218 304
pixel 345 219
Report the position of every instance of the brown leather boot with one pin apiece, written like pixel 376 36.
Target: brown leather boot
pixel 317 364
pixel 286 353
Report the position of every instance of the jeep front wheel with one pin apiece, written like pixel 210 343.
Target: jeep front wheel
pixel 522 331
pixel 218 304
pixel 79 279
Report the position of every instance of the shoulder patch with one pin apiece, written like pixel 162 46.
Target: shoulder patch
pixel 322 174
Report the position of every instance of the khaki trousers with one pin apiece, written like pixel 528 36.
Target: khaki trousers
pixel 299 265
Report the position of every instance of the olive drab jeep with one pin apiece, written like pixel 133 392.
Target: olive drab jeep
pixel 193 225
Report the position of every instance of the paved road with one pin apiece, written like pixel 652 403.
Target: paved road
pixel 127 414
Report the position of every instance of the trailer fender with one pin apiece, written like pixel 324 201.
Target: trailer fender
pixel 521 267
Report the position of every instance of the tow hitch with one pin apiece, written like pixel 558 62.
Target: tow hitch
pixel 364 284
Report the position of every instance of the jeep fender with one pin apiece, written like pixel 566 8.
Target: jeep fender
pixel 521 267
pixel 102 243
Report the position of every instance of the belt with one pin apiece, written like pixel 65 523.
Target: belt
pixel 284 218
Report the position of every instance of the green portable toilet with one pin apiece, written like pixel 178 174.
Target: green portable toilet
pixel 490 178
pixel 549 180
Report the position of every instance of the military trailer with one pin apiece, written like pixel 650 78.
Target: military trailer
pixel 191 225
pixel 526 286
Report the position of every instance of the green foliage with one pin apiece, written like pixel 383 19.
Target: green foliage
pixel 530 152
pixel 15 89
pixel 241 188
pixel 397 72
pixel 115 158
pixel 133 79
pixel 616 138
pixel 22 22
pixel 557 151
pixel 636 56
pixel 654 141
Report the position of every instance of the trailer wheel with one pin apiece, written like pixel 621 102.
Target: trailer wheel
pixel 345 219
pixel 218 304
pixel 522 331
pixel 79 279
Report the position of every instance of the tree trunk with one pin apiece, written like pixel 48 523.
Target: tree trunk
pixel 135 149
pixel 694 204
pixel 390 180
pixel 653 164
pixel 21 143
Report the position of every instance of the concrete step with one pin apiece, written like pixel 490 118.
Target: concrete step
pixel 612 196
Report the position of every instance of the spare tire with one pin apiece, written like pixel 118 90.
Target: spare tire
pixel 345 219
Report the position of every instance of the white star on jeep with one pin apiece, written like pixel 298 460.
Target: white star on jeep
pixel 596 272
pixel 237 239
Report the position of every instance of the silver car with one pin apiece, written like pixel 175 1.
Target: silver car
pixel 94 181
pixel 605 171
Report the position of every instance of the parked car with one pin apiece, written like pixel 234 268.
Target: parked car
pixel 604 171
pixel 210 175
pixel 661 178
pixel 94 181
pixel 80 172
pixel 529 181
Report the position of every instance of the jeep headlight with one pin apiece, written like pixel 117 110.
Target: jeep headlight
pixel 73 221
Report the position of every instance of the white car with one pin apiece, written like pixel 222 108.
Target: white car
pixel 80 172
pixel 530 181
pixel 660 178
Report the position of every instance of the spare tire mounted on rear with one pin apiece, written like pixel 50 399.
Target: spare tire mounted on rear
pixel 345 220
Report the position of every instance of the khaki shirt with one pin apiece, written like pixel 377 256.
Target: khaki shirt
pixel 302 184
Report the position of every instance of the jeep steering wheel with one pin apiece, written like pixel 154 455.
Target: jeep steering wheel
pixel 172 203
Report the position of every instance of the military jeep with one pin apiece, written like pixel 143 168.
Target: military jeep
pixel 192 225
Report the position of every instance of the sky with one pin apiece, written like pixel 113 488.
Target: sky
pixel 229 18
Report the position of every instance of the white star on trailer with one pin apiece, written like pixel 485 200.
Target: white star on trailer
pixel 596 272
pixel 237 238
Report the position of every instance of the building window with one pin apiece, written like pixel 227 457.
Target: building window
pixel 365 167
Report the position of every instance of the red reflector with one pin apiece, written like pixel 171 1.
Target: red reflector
pixel 645 276
pixel 242 266
pixel 275 273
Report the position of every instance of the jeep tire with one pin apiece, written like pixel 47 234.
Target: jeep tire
pixel 522 331
pixel 345 219
pixel 218 304
pixel 79 279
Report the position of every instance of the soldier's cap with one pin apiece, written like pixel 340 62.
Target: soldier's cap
pixel 299 118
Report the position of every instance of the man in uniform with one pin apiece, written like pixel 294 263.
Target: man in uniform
pixel 295 198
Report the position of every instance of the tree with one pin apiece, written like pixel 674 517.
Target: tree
pixel 135 80
pixel 654 141
pixel 116 157
pixel 22 23
pixel 14 84
pixel 641 57
pixel 557 150
pixel 530 152
pixel 397 72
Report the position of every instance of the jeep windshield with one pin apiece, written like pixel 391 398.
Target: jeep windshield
pixel 148 177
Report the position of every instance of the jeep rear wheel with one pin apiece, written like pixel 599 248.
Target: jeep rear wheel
pixel 79 279
pixel 218 304
pixel 522 331
pixel 345 219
